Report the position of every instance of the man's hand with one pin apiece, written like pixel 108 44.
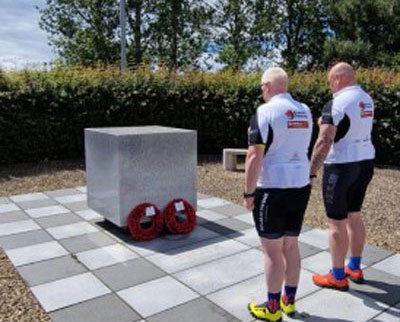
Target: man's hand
pixel 249 203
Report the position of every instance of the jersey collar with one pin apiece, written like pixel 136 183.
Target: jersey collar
pixel 281 95
pixel 348 88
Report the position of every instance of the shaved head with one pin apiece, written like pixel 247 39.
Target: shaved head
pixel 277 77
pixel 341 75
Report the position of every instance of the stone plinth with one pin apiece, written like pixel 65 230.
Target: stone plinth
pixel 126 166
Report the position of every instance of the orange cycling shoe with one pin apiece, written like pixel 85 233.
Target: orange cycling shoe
pixel 329 281
pixel 356 275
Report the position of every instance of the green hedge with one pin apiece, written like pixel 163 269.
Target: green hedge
pixel 43 113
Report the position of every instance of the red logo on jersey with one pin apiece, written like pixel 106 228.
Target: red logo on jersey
pixel 297 124
pixel 365 110
pixel 290 114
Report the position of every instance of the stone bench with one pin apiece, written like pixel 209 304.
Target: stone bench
pixel 229 159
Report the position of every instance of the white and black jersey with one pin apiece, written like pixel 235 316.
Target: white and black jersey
pixel 284 127
pixel 352 111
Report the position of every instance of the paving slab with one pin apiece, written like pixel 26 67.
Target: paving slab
pixel 65 231
pixel 47 211
pixel 17 227
pixel 212 202
pixel 36 204
pixel 247 218
pixel 4 200
pixel 193 255
pixel 206 215
pixel 198 310
pixel 86 242
pixel 89 214
pixel 11 216
pixel 35 253
pixel 124 275
pixel 248 237
pixel 307 250
pixel 107 308
pixel 71 198
pixel 158 295
pixel 202 196
pixel 7 207
pixel 389 265
pixel 231 209
pixel 68 291
pixel 50 270
pixel 29 197
pixel 62 192
pixel 105 256
pixel 226 226
pixel 315 237
pixel 77 206
pixel 390 315
pixel 25 239
pixel 372 254
pixel 59 220
pixel 82 189
pixel 225 272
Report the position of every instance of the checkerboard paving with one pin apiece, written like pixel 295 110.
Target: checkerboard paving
pixel 82 268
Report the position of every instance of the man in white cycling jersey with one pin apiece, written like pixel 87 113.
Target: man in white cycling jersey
pixel 277 188
pixel 344 145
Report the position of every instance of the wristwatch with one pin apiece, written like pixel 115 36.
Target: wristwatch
pixel 249 195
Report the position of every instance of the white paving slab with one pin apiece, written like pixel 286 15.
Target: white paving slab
pixel 391 315
pixel 16 227
pixel 248 237
pixel 71 198
pixel 247 218
pixel 234 299
pixel 212 202
pixel 82 189
pixel 68 291
pixel 105 256
pixel 46 211
pixel 36 253
pixel 328 305
pixel 89 214
pixel 213 276
pixel 71 230
pixel 7 207
pixel 210 215
pixel 29 197
pixel 315 237
pixel 319 263
pixel 157 295
pixel 390 265
pixel 190 256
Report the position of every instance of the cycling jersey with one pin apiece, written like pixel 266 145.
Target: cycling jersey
pixel 352 111
pixel 284 127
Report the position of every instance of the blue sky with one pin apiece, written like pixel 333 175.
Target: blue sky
pixel 22 42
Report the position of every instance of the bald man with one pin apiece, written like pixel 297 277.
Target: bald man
pixel 277 188
pixel 344 145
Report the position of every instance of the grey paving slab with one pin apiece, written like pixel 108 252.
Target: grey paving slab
pixel 82 189
pixel 16 215
pixel 315 237
pixel 4 200
pixel 68 291
pixel 71 198
pixel 8 207
pixel 50 270
pixel 168 242
pixel 192 255
pixel 212 202
pixel 59 220
pixel 89 214
pixel 234 299
pixel 372 254
pixel 29 197
pixel 107 308
pixel 66 231
pixel 47 211
pixel 231 210
pixel 206 215
pixel 17 227
pixel 35 253
pixel 166 293
pixel 305 228
pixel 221 273
pixel 319 263
pixel 226 226
pixel 390 315
pixel 36 204
pixel 249 237
pixel 77 206
pixel 62 192
pixel 105 256
pixel 25 239
pixel 85 242
pixel 198 310
pixel 380 286
pixel 127 274
pixel 307 250
pixel 338 307
pixel 247 218
pixel 389 265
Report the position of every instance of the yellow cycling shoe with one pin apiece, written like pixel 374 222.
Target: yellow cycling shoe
pixel 288 308
pixel 261 311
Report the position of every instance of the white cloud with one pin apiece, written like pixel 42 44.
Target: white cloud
pixel 22 42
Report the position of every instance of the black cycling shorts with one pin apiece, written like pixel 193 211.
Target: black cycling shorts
pixel 280 212
pixel 344 187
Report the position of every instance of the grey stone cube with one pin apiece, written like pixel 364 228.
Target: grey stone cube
pixel 126 166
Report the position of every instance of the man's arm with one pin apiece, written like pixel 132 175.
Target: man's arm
pixel 325 139
pixel 253 165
